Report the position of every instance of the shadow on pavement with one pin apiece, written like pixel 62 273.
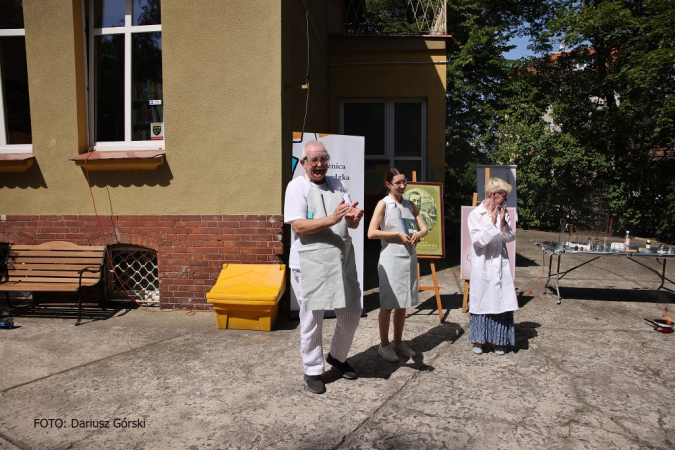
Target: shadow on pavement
pixel 524 332
pixel 368 364
pixel 41 311
pixel 523 298
pixel 430 307
pixel 613 294
pixel 523 261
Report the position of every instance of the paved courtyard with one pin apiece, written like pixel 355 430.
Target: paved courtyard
pixel 588 373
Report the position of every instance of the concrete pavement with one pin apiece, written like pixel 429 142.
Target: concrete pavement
pixel 588 373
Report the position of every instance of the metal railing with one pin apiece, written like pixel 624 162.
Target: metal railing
pixel 389 17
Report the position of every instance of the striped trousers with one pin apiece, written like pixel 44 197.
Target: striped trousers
pixel 311 330
pixel 496 329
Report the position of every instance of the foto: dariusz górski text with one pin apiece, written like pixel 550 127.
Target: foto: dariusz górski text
pixel 76 423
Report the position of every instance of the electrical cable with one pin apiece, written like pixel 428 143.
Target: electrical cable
pixel 316 33
pixel 304 120
pixel 543 269
pixel 190 312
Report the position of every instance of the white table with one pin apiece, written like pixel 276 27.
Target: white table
pixel 554 249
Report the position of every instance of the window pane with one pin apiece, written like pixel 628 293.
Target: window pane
pixel 407 168
pixel 15 89
pixel 11 14
pixel 108 13
pixel 147 12
pixel 109 87
pixel 146 79
pixel 366 119
pixel 407 129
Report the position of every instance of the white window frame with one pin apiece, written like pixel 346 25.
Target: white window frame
pixel 4 146
pixel 127 30
pixel 389 155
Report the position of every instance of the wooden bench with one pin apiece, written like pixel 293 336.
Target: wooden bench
pixel 52 267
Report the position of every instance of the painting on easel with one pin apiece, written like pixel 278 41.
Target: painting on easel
pixel 428 198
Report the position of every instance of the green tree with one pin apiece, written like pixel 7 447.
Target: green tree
pixel 612 95
pixel 478 83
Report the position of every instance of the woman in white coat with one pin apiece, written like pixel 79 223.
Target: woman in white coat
pixel 492 297
pixel 399 226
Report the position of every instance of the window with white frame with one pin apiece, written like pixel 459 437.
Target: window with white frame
pixel 394 131
pixel 126 111
pixel 15 127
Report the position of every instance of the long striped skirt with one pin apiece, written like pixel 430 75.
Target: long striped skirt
pixel 496 329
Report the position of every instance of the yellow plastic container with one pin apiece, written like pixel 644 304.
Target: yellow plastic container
pixel 246 296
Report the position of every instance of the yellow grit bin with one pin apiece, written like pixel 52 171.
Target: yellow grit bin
pixel 246 296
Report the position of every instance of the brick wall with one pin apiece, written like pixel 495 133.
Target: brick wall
pixel 191 249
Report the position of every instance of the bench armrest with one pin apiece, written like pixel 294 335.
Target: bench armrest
pixel 88 269
pixel 93 269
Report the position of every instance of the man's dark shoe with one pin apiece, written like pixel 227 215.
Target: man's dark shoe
pixel 344 368
pixel 314 384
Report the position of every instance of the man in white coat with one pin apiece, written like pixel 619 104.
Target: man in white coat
pixel 322 263
pixel 492 297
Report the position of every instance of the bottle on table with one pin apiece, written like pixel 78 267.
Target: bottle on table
pixel 626 240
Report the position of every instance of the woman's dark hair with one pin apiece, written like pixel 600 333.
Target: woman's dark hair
pixel 388 177
pixel 391 173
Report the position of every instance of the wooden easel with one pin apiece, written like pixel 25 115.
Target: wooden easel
pixel 474 203
pixel 435 287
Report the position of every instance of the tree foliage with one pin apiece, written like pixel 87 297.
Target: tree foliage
pixel 607 150
pixel 477 74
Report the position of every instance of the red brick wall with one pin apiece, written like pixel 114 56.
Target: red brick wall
pixel 191 249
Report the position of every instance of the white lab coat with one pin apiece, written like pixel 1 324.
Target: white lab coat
pixel 491 290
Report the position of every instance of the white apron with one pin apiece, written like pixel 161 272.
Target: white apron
pixel 397 267
pixel 327 262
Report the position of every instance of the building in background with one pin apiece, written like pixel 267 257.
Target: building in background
pixel 163 128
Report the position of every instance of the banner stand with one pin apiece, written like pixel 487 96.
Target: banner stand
pixel 465 300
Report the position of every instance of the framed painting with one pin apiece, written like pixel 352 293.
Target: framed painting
pixel 428 198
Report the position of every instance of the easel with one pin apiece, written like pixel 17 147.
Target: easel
pixel 435 287
pixel 474 203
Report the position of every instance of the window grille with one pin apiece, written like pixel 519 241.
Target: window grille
pixel 134 270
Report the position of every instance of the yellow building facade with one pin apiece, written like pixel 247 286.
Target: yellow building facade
pixel 223 85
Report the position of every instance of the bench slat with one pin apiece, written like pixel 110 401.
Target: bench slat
pixel 57 245
pixel 30 266
pixel 51 273
pixel 55 253
pixel 42 287
pixel 55 280
pixel 29 260
pixel 46 266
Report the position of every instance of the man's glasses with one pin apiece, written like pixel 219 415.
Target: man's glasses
pixel 400 183
pixel 315 160
pixel 503 194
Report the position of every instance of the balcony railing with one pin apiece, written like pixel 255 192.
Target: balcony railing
pixel 388 17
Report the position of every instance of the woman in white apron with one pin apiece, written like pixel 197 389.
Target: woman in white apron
pixel 399 226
